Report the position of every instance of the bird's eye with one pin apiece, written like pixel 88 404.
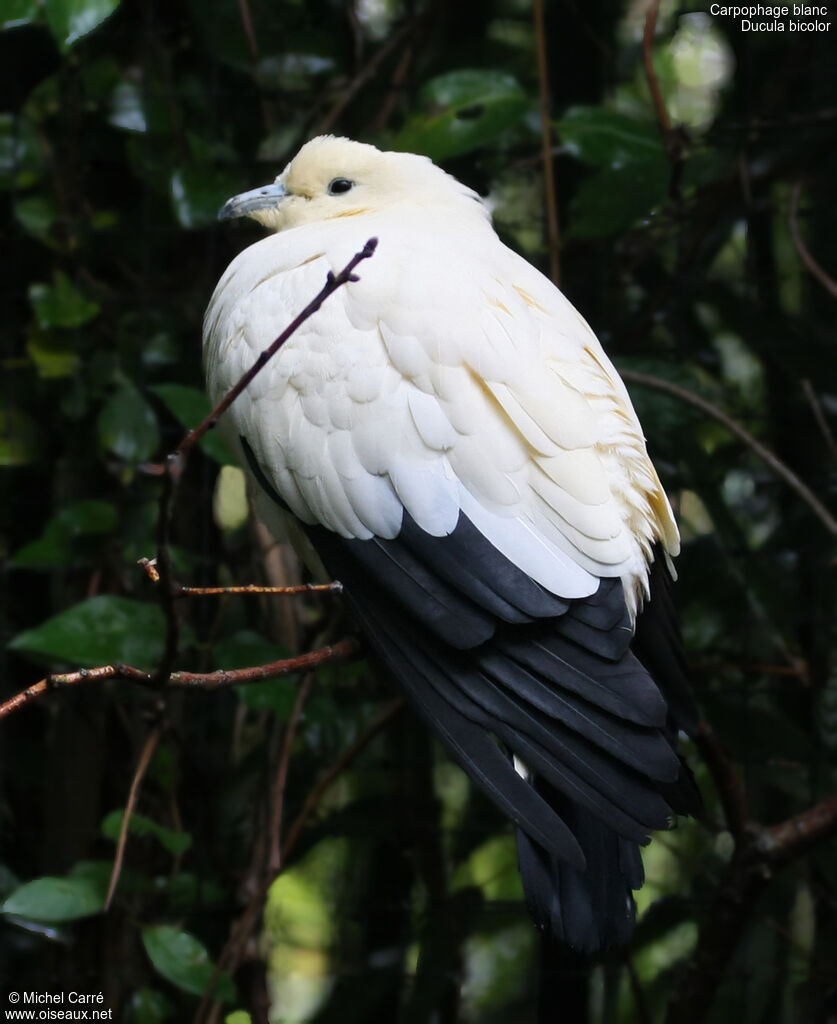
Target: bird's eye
pixel 338 186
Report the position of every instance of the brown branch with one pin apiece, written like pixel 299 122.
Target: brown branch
pixel 765 454
pixel 671 137
pixel 148 749
pixel 341 651
pixel 819 416
pixel 758 854
pixel 651 73
pixel 180 590
pixel 274 864
pixel 173 466
pixel 785 842
pixel 727 781
pixel 336 770
pixel 231 954
pixel 175 461
pixel 817 271
pixel 366 74
pixel 554 232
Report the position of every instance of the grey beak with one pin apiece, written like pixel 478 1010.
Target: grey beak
pixel 245 203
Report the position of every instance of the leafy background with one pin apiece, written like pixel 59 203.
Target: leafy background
pixel 125 124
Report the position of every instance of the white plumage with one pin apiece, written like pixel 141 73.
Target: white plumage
pixel 452 384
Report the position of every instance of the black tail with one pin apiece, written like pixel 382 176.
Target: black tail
pixel 587 909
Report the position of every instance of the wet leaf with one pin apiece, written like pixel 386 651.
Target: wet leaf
pixel 183 960
pixel 190 407
pixel 56 899
pixel 71 20
pixel 172 840
pixel 463 110
pixel 99 631
pixel 198 192
pixel 55 545
pixel 128 427
pixel 15 13
pixel 61 304
pixel 148 1006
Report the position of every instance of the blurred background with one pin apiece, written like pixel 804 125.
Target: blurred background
pixel 692 168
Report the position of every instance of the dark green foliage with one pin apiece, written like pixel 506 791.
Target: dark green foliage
pixel 124 126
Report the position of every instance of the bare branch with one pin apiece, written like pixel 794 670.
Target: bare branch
pixel 817 271
pixel 764 453
pixel 180 590
pixel 758 854
pixel 148 749
pixel 554 232
pixel 274 863
pixel 207 1011
pixel 341 651
pixel 672 138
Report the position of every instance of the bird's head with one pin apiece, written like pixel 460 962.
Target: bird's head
pixel 332 177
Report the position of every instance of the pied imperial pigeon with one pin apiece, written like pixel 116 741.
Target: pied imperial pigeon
pixel 448 436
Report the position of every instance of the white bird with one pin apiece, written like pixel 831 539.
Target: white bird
pixel 450 438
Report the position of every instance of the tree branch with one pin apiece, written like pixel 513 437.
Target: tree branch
pixel 764 453
pixel 554 232
pixel 758 854
pixel 342 651
pixel 817 271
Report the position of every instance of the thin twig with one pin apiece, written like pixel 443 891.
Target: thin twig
pixel 671 138
pixel 274 863
pixel 243 927
pixel 148 749
pixel 650 72
pixel 173 466
pixel 175 461
pixel 337 769
pixel 546 146
pixel 180 590
pixel 768 457
pixel 728 784
pixel 758 853
pixel 341 651
pixel 819 416
pixel 824 279
pixel 366 73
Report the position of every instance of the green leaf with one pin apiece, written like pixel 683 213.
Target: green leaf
pixel 19 436
pixel 61 304
pixel 148 1006
pixel 463 110
pixel 616 198
pixel 174 841
pixel 71 20
pixel 56 899
pixel 634 170
pixel 247 648
pixel 54 546
pixel 14 13
pixel 53 355
pixel 128 426
pixel 608 138
pixel 21 156
pixel 99 631
pixel 36 215
pixel 182 959
pixel 190 407
pixel 198 191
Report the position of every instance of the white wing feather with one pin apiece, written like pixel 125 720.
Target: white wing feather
pixel 398 394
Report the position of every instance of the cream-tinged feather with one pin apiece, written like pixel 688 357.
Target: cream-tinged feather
pixel 452 376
